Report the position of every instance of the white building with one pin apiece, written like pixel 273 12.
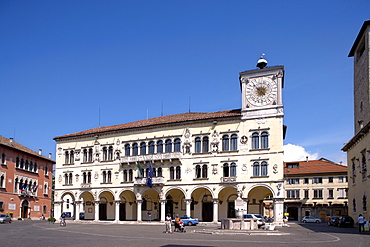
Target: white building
pixel 207 165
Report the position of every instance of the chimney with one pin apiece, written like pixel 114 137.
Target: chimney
pixel 50 156
pixel 306 158
pixel 40 151
pixel 11 141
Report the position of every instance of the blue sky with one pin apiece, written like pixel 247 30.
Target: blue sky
pixel 62 61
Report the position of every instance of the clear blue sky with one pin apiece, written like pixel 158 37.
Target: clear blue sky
pixel 60 61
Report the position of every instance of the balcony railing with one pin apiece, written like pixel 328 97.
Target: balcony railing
pixel 155 181
pixel 25 193
pixel 151 157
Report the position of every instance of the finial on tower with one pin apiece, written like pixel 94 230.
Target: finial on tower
pixel 262 62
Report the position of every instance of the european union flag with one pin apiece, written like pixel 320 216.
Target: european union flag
pixel 149 181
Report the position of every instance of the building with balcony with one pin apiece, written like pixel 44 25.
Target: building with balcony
pixel 206 165
pixel 315 188
pixel 25 181
pixel 358 148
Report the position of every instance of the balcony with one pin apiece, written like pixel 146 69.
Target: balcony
pixel 155 181
pixel 151 157
pixel 25 193
pixel 228 180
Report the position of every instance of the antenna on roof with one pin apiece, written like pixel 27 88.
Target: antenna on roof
pixel 162 110
pixel 99 119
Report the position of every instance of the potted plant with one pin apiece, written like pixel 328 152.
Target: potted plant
pixel 52 220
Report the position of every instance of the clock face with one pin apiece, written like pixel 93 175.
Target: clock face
pixel 261 91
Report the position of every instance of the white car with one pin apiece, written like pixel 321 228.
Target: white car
pixel 310 219
pixel 259 218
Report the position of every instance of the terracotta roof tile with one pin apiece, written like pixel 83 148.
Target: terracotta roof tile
pixel 313 167
pixel 176 118
pixel 15 145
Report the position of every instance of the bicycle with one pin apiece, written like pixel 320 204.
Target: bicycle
pixel 63 222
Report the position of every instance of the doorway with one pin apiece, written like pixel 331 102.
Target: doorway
pixel 207 211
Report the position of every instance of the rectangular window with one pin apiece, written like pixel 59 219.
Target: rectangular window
pixel 306 194
pixel 342 193
pixel 292 194
pixel 293 181
pixel 2 205
pixel 317 180
pixel 340 179
pixel 317 193
pixel 331 179
pixel 331 193
pixel 306 181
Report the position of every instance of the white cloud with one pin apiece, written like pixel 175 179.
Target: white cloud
pixel 297 153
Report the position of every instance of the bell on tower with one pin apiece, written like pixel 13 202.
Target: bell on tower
pixel 262 62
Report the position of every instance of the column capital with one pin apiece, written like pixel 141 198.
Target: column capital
pixel 139 201
pixel 163 201
pixel 215 200
pixel 188 200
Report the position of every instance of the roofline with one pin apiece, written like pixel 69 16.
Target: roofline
pixel 364 131
pixel 358 38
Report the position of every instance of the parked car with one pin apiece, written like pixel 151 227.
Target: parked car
pixel 310 219
pixel 333 221
pixel 259 218
pixel 346 221
pixel 82 216
pixel 5 218
pixel 188 221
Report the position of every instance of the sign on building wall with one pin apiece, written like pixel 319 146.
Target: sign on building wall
pixel 11 206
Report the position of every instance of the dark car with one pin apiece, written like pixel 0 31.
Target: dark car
pixel 346 221
pixel 82 216
pixel 333 221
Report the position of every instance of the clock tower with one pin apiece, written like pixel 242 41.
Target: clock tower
pixel 262 91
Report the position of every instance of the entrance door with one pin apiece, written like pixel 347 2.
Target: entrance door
pixel 122 211
pixel 169 206
pixel 231 210
pixel 207 211
pixel 24 209
pixel 293 213
pixel 103 211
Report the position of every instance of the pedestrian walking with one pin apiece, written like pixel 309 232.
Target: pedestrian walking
pixel 149 216
pixel 361 223
pixel 168 223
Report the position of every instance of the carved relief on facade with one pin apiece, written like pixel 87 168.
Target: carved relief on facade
pixel 187 142
pixel 215 142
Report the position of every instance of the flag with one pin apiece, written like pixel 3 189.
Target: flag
pixel 35 189
pixel 22 187
pixel 149 181
pixel 140 170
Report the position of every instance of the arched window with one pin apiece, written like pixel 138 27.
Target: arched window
pixel 109 176
pixel 256 169
pixel 35 167
pixel 143 148
pixel 17 162
pixel 130 175
pixel 225 143
pixel 264 140
pixel 105 153
pixel 151 147
pixel 168 146
pixel 178 172
pixel 172 173
pixel 127 150
pixel 2 181
pixel 263 168
pixel 3 158
pixel 205 144
pixel 46 171
pixel 125 178
pixel 104 176
pixel 234 142
pixel 255 141
pixel 159 146
pixel 84 159
pixel 160 172
pixel 72 157
pixel 65 178
pixel 31 166
pixel 89 158
pixel 233 170
pixel 204 171
pixel 110 153
pixel 84 177
pixel 135 149
pixel 198 171
pixel 70 178
pixel 26 165
pixel 66 158
pixel 198 145
pixel 226 170
pixel 177 145
pixel 89 177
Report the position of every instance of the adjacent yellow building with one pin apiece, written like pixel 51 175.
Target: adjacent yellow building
pixel 206 165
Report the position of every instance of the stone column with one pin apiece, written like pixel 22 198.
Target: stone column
pixel 215 210
pixel 116 217
pixel 188 209
pixel 96 203
pixel 139 202
pixel 163 210
pixel 278 211
pixel 78 210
